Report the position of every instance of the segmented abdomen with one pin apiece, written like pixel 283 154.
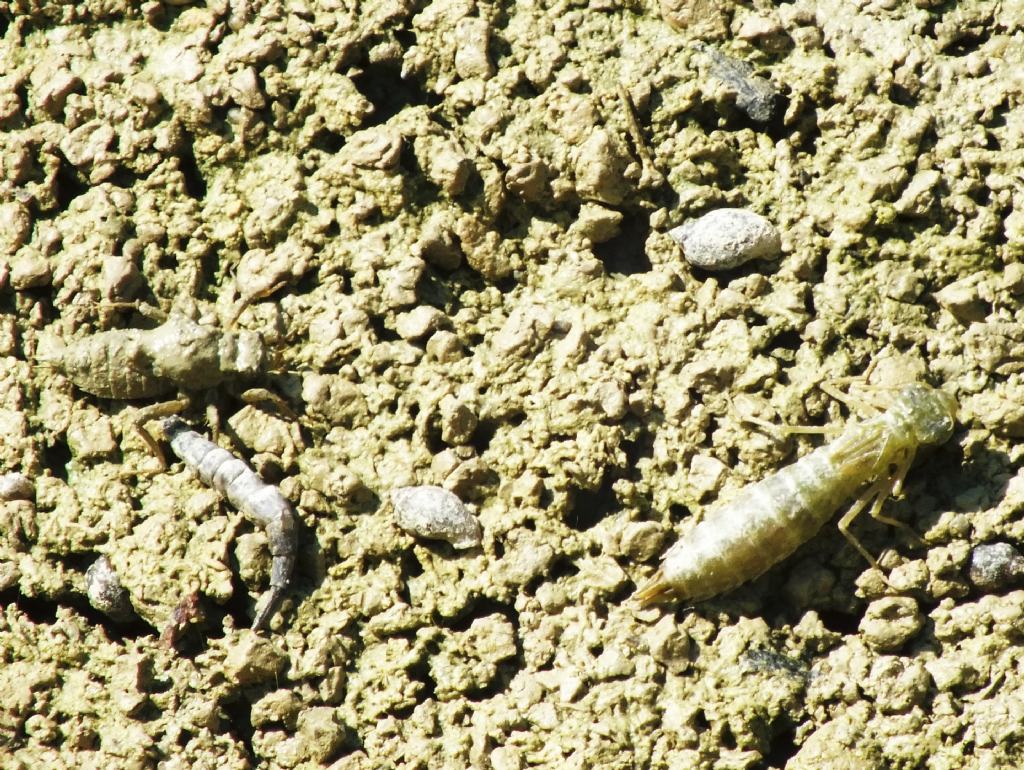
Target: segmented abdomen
pixel 769 520
pixel 230 476
pixel 260 502
pixel 112 364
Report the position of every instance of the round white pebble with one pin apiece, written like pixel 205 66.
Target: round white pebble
pixel 16 486
pixel 105 591
pixel 726 238
pixel 435 513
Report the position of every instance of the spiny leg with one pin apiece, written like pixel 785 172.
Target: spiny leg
pixel 851 379
pixel 785 430
pixel 878 396
pixel 782 430
pixel 831 389
pixel 871 398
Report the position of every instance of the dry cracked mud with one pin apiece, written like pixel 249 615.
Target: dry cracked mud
pixel 449 220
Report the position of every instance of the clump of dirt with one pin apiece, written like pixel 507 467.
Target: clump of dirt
pixel 450 222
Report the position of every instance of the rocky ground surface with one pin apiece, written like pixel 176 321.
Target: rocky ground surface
pixel 449 222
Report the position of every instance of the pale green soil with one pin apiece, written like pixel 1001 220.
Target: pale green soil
pixel 448 220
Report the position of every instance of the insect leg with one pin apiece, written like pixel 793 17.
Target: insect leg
pixel 860 405
pixel 901 473
pixel 877 491
pixel 248 299
pixel 649 173
pixel 780 431
pixel 785 430
pixel 653 590
pixel 188 609
pixel 152 412
pixel 142 308
pixel 262 395
pixel 897 484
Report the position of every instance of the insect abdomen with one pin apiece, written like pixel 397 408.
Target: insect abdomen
pixel 738 541
pixel 112 365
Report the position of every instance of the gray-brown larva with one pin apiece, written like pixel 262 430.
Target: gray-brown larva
pixel 435 513
pixel 143 363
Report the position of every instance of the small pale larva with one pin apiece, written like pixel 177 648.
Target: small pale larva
pixel 437 514
pixel 738 541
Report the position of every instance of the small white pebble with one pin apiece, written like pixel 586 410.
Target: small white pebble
pixel 642 540
pixel 444 346
pixel 726 238
pixel 121 278
pixel 963 300
pixel 16 486
pixel 435 513
pixel 706 473
pixel 105 591
pixel 418 322
pixel 30 271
